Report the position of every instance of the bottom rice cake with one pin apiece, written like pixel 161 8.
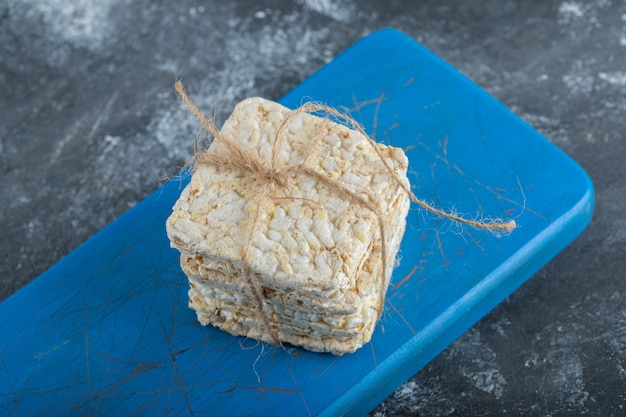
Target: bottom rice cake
pixel 314 250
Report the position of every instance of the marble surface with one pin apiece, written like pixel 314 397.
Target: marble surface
pixel 90 125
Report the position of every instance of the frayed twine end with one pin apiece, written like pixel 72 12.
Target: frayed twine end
pixel 509 226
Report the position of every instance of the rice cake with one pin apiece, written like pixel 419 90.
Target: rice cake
pixel 314 253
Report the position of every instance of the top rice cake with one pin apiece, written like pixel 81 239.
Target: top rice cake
pixel 310 240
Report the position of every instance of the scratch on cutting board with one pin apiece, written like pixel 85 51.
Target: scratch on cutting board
pixel 297 385
pixel 374 357
pixel 521 205
pixel 358 104
pixel 445 260
pixel 389 129
pixel 173 355
pixel 271 389
pixel 139 368
pixel 16 396
pixel 404 320
pixel 444 149
pixel 476 242
pixel 405 279
pixel 55 348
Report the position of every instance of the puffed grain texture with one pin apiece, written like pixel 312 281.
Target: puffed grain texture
pixel 315 252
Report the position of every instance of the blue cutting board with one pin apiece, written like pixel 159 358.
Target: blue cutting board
pixel 107 331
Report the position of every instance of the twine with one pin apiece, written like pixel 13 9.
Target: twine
pixel 272 176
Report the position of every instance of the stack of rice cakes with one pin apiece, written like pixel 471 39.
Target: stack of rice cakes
pixel 315 254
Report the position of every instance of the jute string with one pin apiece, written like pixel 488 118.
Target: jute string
pixel 272 176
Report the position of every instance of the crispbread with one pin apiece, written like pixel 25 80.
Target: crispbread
pixel 315 252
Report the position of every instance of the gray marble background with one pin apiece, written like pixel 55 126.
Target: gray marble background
pixel 90 125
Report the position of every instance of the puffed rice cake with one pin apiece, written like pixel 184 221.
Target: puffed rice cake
pixel 316 254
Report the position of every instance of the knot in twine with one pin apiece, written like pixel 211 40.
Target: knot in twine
pixel 271 176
